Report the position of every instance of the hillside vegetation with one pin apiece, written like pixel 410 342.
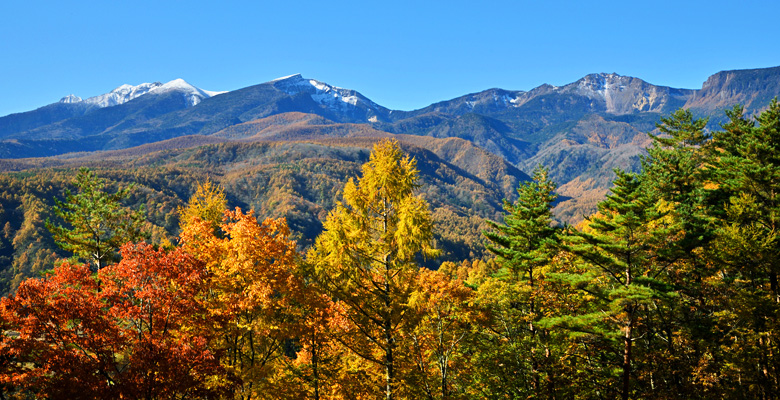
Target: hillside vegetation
pixel 299 181
pixel 670 289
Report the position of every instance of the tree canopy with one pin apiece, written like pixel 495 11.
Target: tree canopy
pixel 669 290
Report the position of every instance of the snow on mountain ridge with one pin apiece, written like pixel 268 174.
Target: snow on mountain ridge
pixel 125 93
pixel 322 92
pixel 194 94
pixel 71 98
pixel 285 77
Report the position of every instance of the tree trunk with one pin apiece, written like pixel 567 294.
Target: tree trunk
pixel 389 339
pixel 315 370
pixel 627 357
pixel 389 372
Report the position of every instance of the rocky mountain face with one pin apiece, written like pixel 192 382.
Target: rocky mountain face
pixel 752 88
pixel 608 93
pixel 619 95
pixel 581 131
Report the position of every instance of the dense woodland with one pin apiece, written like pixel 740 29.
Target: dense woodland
pixel 299 181
pixel 670 290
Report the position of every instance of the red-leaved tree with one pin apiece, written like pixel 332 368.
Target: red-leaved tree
pixel 137 329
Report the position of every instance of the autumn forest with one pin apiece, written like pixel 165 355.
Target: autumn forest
pixel 669 290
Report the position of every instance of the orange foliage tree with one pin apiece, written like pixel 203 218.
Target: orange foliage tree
pixel 136 329
pixel 252 293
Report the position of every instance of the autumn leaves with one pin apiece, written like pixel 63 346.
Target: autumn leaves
pixel 669 291
pixel 133 329
pixel 234 311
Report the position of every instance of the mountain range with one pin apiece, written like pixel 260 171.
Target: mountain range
pixel 580 131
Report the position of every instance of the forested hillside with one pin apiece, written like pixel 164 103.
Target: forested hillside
pixel 669 290
pixel 300 181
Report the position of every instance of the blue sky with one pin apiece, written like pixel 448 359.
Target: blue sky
pixel 401 54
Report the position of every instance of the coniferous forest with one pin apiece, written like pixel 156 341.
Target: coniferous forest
pixel 669 290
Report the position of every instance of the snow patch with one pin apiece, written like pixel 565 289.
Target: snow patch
pixel 122 95
pixel 125 93
pixel 193 94
pixel 286 77
pixel 322 93
pixel 70 99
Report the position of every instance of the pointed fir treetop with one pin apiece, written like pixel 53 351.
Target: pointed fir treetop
pixel 520 242
pixel 681 129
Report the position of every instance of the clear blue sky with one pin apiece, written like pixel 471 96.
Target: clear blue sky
pixel 401 54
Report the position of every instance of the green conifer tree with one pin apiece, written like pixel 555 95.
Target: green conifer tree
pixel 673 176
pixel 524 240
pixel 524 244
pixel 745 169
pixel 616 265
pixel 99 224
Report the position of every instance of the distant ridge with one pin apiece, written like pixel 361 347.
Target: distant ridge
pixel 30 124
pixel 581 131
pixel 125 93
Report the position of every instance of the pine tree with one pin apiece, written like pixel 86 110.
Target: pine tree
pixel 745 168
pixel 674 178
pixel 673 175
pixel 523 241
pixel 524 244
pixel 366 257
pixel 99 223
pixel 616 253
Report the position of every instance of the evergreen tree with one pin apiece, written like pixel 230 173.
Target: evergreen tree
pixel 673 176
pixel 524 244
pixel 615 264
pixel 524 240
pixel 99 224
pixel 745 168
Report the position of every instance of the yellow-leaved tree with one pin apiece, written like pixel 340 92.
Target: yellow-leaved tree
pixel 366 258
pixel 208 205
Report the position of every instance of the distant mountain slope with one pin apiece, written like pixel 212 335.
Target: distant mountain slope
pixel 581 130
pixel 299 180
pixel 72 106
pixel 753 88
pixel 609 93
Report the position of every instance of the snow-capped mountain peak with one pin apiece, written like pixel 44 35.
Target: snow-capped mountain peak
pixel 194 94
pixel 71 98
pixel 122 95
pixel 293 76
pixel 125 93
pixel 323 93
